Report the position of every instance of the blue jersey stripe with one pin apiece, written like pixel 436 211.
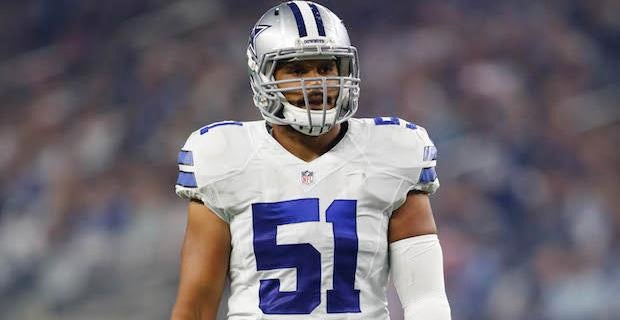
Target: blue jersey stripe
pixel 380 121
pixel 187 179
pixel 301 25
pixel 225 123
pixel 186 158
pixel 318 19
pixel 428 175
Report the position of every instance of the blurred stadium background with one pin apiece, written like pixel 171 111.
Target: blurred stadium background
pixel 521 97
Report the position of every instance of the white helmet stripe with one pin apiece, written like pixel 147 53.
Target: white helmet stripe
pixel 308 17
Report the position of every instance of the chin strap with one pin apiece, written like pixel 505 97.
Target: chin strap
pixel 301 120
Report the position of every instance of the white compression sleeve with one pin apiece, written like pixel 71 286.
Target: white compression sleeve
pixel 416 265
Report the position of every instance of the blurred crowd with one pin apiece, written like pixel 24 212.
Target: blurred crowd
pixel 521 98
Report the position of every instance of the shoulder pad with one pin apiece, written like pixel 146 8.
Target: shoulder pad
pixel 401 143
pixel 211 154
pixel 405 150
pixel 215 151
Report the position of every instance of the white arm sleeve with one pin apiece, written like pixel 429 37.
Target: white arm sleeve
pixel 416 265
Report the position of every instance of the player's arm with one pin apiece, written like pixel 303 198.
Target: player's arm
pixel 413 218
pixel 204 265
pixel 416 261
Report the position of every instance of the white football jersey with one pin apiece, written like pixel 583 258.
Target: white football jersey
pixel 309 239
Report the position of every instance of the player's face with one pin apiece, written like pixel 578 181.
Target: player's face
pixel 308 69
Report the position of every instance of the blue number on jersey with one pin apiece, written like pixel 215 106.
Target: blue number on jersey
pixel 344 298
pixel 305 258
pixel 380 121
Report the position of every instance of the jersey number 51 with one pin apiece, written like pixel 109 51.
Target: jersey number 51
pixel 343 298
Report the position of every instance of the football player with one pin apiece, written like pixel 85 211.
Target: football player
pixel 308 211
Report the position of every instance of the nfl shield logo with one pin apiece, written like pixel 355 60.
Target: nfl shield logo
pixel 307 177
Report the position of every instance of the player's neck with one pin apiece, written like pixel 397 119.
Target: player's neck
pixel 304 147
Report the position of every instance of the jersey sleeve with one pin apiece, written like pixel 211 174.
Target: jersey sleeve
pixel 192 183
pixel 423 175
pixel 205 162
pixel 405 151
